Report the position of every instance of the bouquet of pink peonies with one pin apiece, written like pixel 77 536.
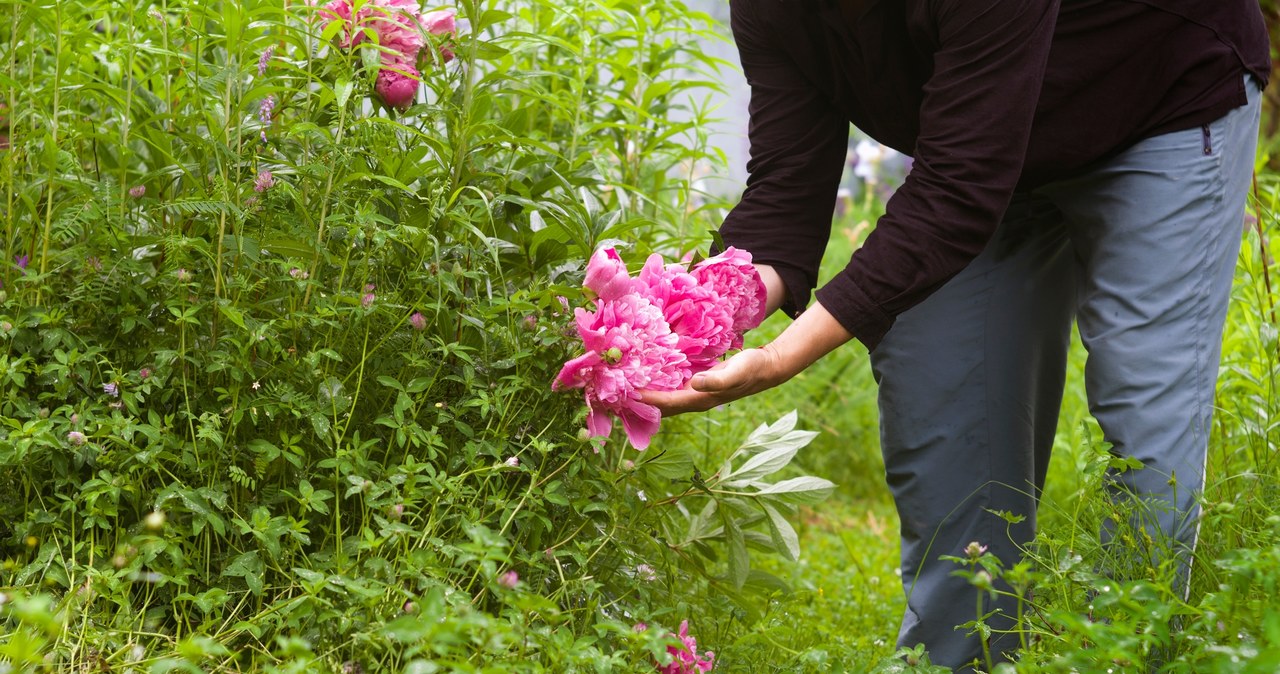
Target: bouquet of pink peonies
pixel 655 331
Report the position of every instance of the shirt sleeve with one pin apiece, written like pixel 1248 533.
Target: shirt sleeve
pixel 975 124
pixel 798 146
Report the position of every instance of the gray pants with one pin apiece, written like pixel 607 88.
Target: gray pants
pixel 1140 252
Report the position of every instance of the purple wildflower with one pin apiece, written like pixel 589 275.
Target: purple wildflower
pixel 299 274
pixel 264 181
pixel 418 321
pixel 509 580
pixel 111 389
pixel 76 438
pixel 265 59
pixel 137 191
pixel 367 300
pixel 265 111
pixel 22 261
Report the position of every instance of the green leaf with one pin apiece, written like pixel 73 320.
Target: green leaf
pixel 342 90
pixel 769 461
pixel 806 490
pixel 248 566
pixel 784 536
pixel 739 562
pixel 670 464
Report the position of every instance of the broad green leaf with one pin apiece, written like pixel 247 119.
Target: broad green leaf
pixel 784 536
pixel 670 464
pixel 806 490
pixel 739 562
pixel 769 461
pixel 342 90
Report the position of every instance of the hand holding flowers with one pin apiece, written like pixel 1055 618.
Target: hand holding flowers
pixel 656 331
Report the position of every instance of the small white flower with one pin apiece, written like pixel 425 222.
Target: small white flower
pixel 256 386
pixel 640 495
pixel 512 462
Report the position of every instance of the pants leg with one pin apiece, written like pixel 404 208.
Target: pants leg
pixel 971 382
pixel 1156 233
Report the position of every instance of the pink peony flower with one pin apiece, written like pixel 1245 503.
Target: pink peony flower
pixel 395 88
pixel 440 22
pixel 732 276
pixel 654 331
pixel 629 348
pixel 607 275
pixel 686 660
pixel 398 26
pixel 695 312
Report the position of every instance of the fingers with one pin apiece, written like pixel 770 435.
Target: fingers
pixel 726 382
pixel 671 403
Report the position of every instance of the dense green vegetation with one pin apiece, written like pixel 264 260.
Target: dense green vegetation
pixel 275 365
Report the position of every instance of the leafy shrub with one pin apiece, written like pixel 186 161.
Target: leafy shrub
pixel 275 357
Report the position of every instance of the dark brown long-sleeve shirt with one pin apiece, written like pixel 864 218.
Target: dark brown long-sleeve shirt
pixel 987 96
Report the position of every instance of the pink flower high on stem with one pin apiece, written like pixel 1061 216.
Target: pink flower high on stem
pixel 399 31
pixel 686 659
pixel 397 86
pixel 138 191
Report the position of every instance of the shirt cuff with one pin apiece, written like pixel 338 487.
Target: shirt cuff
pixel 797 289
pixel 851 307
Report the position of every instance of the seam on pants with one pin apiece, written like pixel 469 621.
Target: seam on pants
pixel 1199 423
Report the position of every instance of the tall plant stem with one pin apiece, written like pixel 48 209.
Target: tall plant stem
pixel 313 272
pixel 13 100
pixel 53 132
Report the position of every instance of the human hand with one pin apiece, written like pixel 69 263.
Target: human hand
pixel 811 336
pixel 743 374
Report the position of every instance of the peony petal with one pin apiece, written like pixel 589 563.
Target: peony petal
pixel 571 374
pixel 640 421
pixel 607 275
pixel 599 423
